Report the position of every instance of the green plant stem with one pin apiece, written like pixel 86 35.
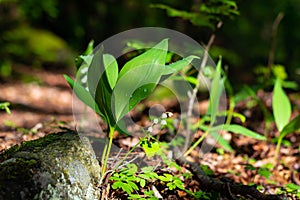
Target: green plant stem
pixel 196 143
pixel 107 149
pixel 127 154
pixel 231 101
pixel 280 138
pixel 230 110
pixel 103 159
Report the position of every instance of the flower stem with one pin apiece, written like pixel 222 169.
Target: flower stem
pixel 277 151
pixel 107 148
pixel 196 143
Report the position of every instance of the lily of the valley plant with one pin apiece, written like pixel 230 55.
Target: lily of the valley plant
pixel 112 94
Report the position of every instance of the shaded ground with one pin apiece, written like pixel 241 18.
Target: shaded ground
pixel 45 107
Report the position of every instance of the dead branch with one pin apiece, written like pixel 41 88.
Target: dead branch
pixel 228 189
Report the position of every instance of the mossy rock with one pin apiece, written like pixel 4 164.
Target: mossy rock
pixel 57 166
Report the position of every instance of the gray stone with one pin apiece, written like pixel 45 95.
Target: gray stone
pixel 57 166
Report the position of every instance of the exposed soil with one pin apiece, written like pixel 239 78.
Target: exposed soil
pixel 45 107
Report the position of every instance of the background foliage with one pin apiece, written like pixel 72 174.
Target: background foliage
pixel 244 41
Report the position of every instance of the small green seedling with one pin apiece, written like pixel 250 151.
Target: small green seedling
pixel 212 113
pixel 282 110
pixel 293 188
pixel 128 178
pixel 5 106
pixel 136 183
pixel 112 94
pixel 22 130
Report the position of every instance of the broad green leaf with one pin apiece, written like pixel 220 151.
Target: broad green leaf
pixel 281 106
pixel 121 127
pixel 83 94
pixel 240 130
pixel 215 93
pixel 154 56
pixel 291 126
pixel 138 78
pixel 103 100
pixel 224 143
pixel 99 87
pixel 178 65
pixel 95 71
pixel 111 69
pixel 140 94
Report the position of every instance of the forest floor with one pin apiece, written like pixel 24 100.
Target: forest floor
pixel 43 107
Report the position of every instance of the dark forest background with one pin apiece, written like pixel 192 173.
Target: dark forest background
pixel 33 31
